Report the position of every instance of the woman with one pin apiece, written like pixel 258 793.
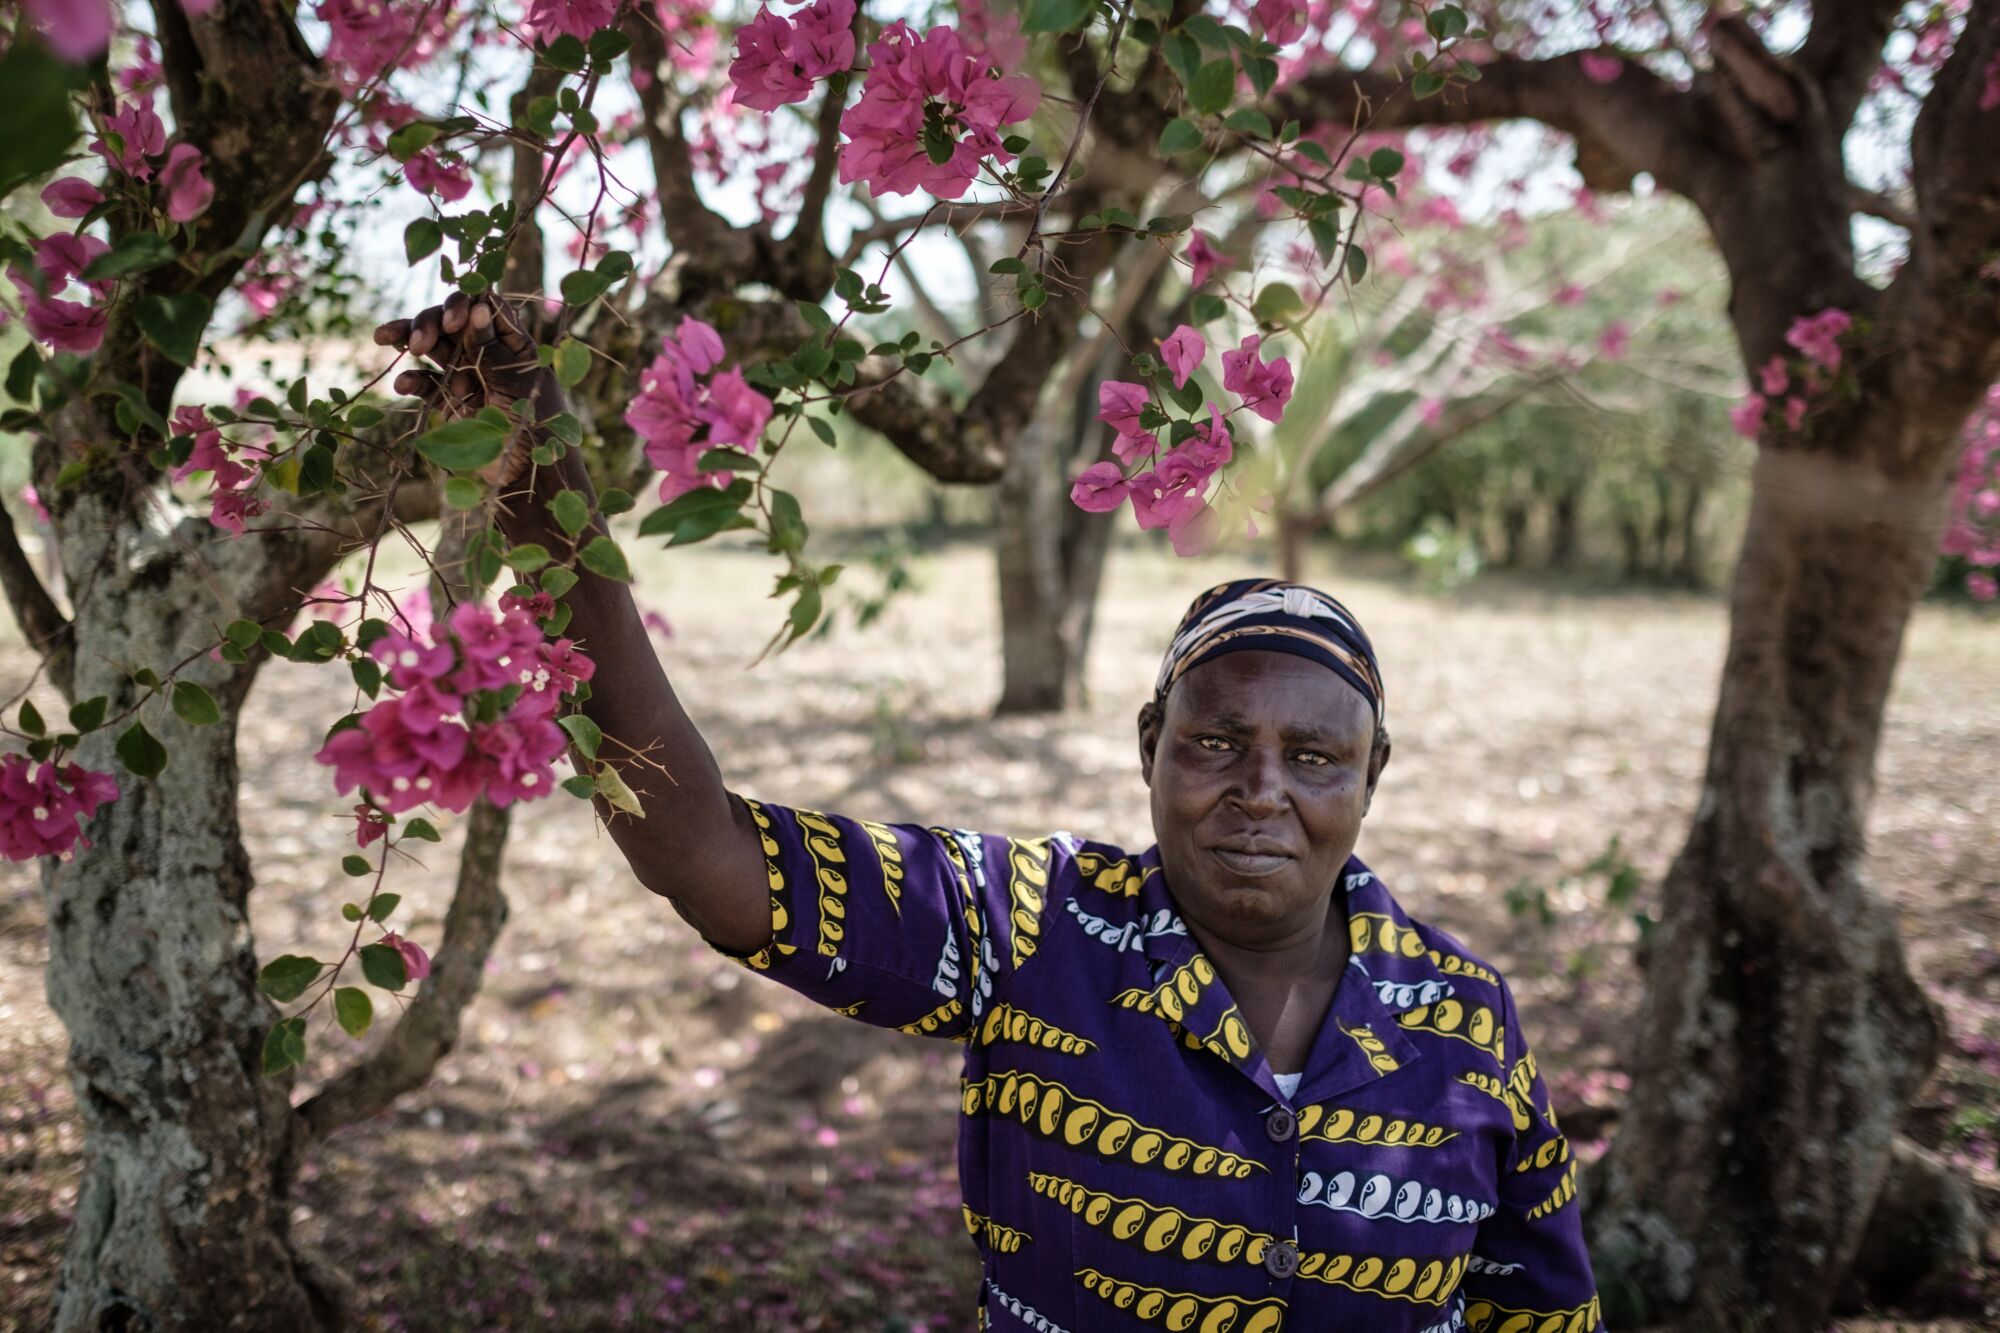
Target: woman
pixel 1225 1083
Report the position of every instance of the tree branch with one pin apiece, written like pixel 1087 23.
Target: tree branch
pixel 1843 50
pixel 1638 122
pixel 526 268
pixel 42 622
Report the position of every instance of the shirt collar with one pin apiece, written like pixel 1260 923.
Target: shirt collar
pixel 1358 1042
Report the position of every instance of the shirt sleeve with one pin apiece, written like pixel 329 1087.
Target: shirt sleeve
pixel 1529 1256
pixel 899 925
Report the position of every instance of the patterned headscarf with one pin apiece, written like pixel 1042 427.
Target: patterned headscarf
pixel 1270 615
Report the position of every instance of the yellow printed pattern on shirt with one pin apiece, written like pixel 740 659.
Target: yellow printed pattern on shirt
pixel 781 916
pixel 890 853
pixel 1183 1309
pixel 1028 890
pixel 1122 877
pixel 1471 1023
pixel 1175 996
pixel 1371 1046
pixel 1486 1317
pixel 1005 1022
pixel 1337 1124
pixel 1377 932
pixel 822 841
pixel 998 1238
pixel 1047 1108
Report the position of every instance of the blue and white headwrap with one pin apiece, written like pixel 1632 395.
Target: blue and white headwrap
pixel 1270 615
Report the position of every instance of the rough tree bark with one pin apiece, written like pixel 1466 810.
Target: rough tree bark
pixel 1781 1032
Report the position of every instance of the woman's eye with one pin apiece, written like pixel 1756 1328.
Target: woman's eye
pixel 1211 742
pixel 1314 757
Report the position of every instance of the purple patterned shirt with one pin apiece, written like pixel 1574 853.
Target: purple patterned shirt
pixel 1126 1156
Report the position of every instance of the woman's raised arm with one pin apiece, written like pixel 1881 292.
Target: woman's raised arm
pixel 696 845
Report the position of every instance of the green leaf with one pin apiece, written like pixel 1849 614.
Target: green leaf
pixel 88 715
pixel 1249 120
pixel 1056 15
pixel 31 719
pixel 607 44
pixel 615 501
pixel 367 673
pixel 21 373
pixel 572 362
pixel 382 905
pixel 1207 309
pixel 1263 73
pixel 174 323
pixel 421 829
pixel 583 286
pixel 354 1009
pixel 805 611
pixel 1446 22
pixel 382 965
pixel 613 789
pixel 603 558
pixel 1384 163
pixel 134 253
pixel 585 733
pixel 566 53
pixel 527 557
pixel 243 633
pixel 141 751
pixel 1032 298
pixel 194 705
pixel 37 124
pixel 571 510
pixel 463 446
pixel 356 865
pixel 730 460
pixel 422 238
pixel 1276 303
pixel 815 314
pixel 582 786
pixel 701 511
pixel 1427 84
pixel 1213 87
pixel 557 580
pixel 284 979
pixel 412 139
pixel 1180 135
pixel 463 492
pixel 350 912
pixel 788 524
pixel 285 1045
pixel 1357 262
pixel 1008 265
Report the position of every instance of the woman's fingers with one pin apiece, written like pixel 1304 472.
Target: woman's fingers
pixel 418 383
pixel 425 330
pixel 456 307
pixel 393 334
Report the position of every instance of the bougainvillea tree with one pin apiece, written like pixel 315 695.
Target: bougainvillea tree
pixel 691 215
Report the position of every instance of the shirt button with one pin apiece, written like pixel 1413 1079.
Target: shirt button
pixel 1281 1125
pixel 1281 1260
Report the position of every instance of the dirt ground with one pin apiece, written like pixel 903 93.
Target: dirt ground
pixel 633 1133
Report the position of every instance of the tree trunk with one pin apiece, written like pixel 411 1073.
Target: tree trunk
pixel 1040 665
pixel 1563 528
pixel 1781 1031
pixel 1513 532
pixel 1688 568
pixel 182 1221
pixel 1295 533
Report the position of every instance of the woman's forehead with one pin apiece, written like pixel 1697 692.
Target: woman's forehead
pixel 1270 689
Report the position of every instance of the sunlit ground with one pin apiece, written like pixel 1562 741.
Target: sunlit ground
pixel 634 1134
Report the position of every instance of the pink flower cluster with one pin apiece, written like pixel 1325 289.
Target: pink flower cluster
pixel 416 963
pixel 778 59
pixel 367 38
pixel 76 30
pixel 39 806
pixel 925 93
pixel 1972 525
pixel 445 176
pixel 65 325
pixel 424 743
pixel 235 497
pixel 1817 340
pixel 549 19
pixel 1204 258
pixel 1284 21
pixel 685 407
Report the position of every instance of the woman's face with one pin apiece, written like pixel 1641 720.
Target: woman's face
pixel 1261 771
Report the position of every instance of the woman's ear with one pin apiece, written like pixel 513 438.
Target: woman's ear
pixel 1378 759
pixel 1149 739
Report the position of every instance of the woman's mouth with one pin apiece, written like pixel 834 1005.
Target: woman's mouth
pixel 1251 864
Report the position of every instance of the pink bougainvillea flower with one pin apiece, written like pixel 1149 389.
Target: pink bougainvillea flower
pixel 1119 403
pixel 66 326
pixel 1748 416
pixel 231 510
pixel 1157 501
pixel 578 18
pixel 428 173
pixel 72 197
pixel 63 256
pixel 140 134
pixel 1795 413
pixel 736 413
pixel 1284 20
pixel 76 30
pixel 188 190
pixel 1570 293
pixel 370 825
pixel 778 59
pixel 1265 386
pixel 1601 68
pixel 1194 529
pixel 929 97
pixel 1982 585
pixel 1099 489
pixel 1129 449
pixel 40 805
pixel 416 963
pixel 999 39
pixel 366 38
pixel 1204 257
pixel 1614 341
pixel 1817 337
pixel 1183 352
pixel 32 498
pixel 1772 378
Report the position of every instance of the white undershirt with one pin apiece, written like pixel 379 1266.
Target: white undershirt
pixel 1289 1083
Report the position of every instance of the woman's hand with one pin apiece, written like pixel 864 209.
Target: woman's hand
pixel 484 358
